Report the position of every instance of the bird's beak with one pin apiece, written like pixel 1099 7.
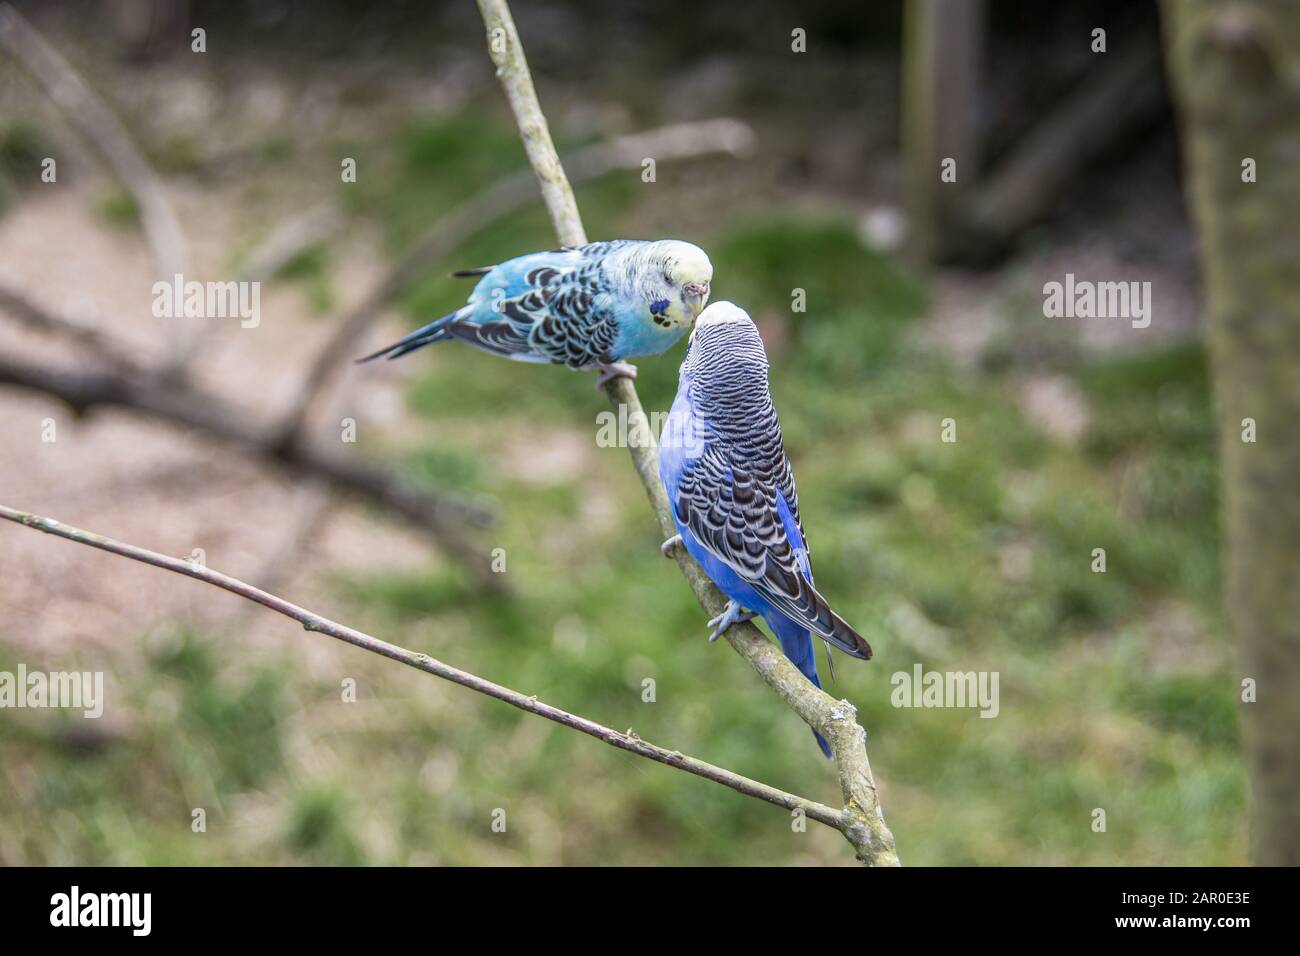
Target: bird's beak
pixel 695 295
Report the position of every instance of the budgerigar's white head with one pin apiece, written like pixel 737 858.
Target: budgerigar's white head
pixel 721 313
pixel 725 339
pixel 675 280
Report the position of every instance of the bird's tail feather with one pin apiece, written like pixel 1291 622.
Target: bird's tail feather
pixel 435 331
pixel 797 643
pixel 835 630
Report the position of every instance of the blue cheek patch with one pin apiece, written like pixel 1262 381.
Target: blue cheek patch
pixel 659 307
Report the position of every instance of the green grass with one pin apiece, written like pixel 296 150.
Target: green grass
pixel 117 207
pixel 311 271
pixel 1116 691
pixel 24 146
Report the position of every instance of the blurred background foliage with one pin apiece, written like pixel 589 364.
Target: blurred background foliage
pixel 1116 689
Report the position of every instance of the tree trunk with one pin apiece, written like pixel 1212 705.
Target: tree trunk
pixel 942 50
pixel 1235 69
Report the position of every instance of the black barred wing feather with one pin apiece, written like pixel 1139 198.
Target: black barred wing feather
pixel 733 513
pixel 555 314
pixel 498 337
pixel 577 328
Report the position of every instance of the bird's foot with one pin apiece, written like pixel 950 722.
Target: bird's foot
pixel 733 613
pixel 612 370
pixel 671 545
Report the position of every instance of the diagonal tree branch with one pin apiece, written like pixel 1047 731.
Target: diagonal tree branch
pixel 628 741
pixel 864 824
pixel 444 518
pixel 84 334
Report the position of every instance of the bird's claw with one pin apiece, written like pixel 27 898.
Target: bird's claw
pixel 613 370
pixel 733 613
pixel 671 545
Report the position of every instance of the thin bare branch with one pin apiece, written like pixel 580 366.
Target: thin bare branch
pixel 835 720
pixel 507 53
pixel 310 621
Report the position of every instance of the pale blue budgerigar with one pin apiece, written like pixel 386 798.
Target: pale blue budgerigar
pixel 731 490
pixel 587 307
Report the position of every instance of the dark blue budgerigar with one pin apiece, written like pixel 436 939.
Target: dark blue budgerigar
pixel 588 307
pixel 731 489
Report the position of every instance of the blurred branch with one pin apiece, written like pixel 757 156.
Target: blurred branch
pixel 861 820
pixel 975 217
pixel 92 118
pixel 290 239
pixel 34 317
pixel 628 741
pixel 666 143
pixel 1123 94
pixel 205 413
pixel 442 516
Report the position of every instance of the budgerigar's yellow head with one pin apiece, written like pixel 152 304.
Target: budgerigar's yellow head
pixel 679 274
